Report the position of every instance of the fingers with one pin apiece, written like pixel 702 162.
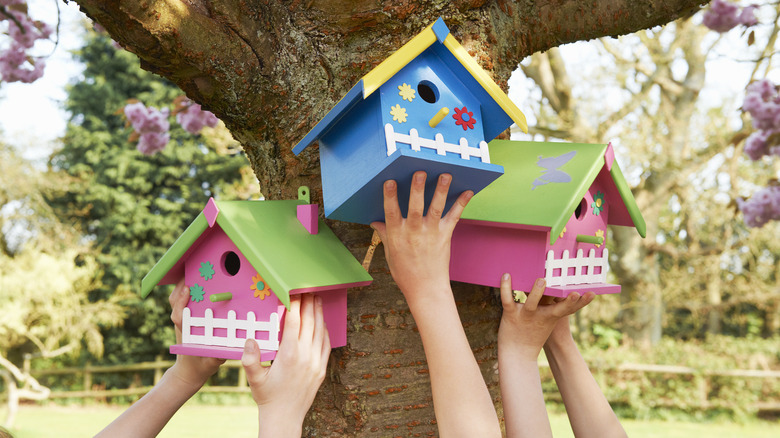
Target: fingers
pixel 250 359
pixel 307 319
pixel 436 209
pixel 507 299
pixel 392 210
pixel 292 325
pixel 321 336
pixel 325 351
pixel 176 291
pixel 453 216
pixel 319 322
pixel 416 199
pixel 380 229
pixel 179 298
pixel 535 296
pixel 574 302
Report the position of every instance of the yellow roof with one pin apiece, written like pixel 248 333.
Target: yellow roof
pixel 434 33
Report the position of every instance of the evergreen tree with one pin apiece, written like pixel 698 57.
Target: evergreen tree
pixel 131 206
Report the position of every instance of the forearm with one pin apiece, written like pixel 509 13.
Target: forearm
pixel 589 411
pixel 278 424
pixel 525 414
pixel 462 409
pixel 148 416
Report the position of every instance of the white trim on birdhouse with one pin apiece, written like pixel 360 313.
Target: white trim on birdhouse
pixel 557 271
pixel 250 325
pixel 438 144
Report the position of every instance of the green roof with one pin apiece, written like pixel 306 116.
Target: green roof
pixel 543 183
pixel 270 236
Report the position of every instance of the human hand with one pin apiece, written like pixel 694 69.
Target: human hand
pixel 192 370
pixel 526 327
pixel 417 247
pixel 285 391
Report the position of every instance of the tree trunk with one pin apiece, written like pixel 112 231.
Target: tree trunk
pixel 271 70
pixel 12 404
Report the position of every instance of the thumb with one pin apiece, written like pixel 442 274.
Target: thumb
pixel 507 299
pixel 381 229
pixel 250 359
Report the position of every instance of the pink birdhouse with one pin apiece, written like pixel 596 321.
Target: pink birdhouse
pixel 546 217
pixel 242 260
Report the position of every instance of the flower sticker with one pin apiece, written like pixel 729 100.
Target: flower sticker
pixel 261 289
pixel 563 231
pixel 406 92
pixel 398 113
pixel 465 118
pixel 206 270
pixel 196 293
pixel 600 233
pixel 598 203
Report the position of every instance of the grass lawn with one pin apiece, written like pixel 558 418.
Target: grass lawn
pixel 197 420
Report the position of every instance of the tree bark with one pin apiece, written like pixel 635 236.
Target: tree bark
pixel 271 70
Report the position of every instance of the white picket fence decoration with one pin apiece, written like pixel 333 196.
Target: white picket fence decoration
pixel 584 268
pixel 438 144
pixel 232 324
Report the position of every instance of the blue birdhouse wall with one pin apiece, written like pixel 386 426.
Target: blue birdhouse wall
pixel 425 88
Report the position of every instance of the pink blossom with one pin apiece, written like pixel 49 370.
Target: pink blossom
pixel 762 207
pixel 29 32
pixel 722 16
pixel 152 125
pixel 16 65
pixel 147 119
pixel 762 101
pixel 748 16
pixel 193 118
pixel 755 145
pixel 152 142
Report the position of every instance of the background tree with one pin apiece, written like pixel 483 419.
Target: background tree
pixel 700 270
pixel 271 69
pixel 45 279
pixel 132 207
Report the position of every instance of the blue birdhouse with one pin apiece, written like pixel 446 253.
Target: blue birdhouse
pixel 429 106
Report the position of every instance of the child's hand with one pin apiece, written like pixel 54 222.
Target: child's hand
pixel 525 327
pixel 192 370
pixel 417 248
pixel 285 391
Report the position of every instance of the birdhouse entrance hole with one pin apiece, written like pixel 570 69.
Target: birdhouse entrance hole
pixel 428 92
pixel 579 212
pixel 231 264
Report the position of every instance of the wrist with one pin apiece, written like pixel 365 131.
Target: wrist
pixel 558 340
pixel 518 353
pixel 277 422
pixel 427 294
pixel 186 379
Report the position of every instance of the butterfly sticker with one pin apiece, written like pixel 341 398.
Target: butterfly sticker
pixel 552 172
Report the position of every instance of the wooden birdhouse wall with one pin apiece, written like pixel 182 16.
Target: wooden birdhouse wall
pixel 481 252
pixel 352 153
pixel 589 218
pixel 422 89
pixel 217 266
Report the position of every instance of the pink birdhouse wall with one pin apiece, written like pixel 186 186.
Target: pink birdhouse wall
pixel 218 267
